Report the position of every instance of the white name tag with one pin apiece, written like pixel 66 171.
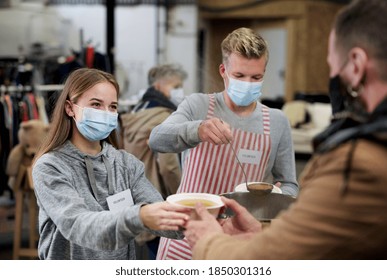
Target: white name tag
pixel 120 200
pixel 249 156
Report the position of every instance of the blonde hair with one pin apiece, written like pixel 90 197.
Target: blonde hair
pixel 76 84
pixel 245 42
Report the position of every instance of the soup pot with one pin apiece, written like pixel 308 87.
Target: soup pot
pixel 263 207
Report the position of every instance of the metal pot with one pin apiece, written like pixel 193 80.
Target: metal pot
pixel 262 207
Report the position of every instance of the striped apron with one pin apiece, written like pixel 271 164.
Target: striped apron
pixel 213 169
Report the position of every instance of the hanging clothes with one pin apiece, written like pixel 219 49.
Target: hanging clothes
pixel 4 145
pixel 41 103
pixel 89 56
pixel 30 101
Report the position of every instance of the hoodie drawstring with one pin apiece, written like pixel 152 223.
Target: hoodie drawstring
pixel 90 175
pixel 109 174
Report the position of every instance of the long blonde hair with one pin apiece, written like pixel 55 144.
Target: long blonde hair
pixel 76 84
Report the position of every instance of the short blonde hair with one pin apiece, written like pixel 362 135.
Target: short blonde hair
pixel 246 43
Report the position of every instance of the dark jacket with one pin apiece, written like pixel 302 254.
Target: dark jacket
pixel 154 98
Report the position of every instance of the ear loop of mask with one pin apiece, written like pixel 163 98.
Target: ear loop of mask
pixel 350 90
pixel 227 75
pixel 352 101
pixel 74 112
pixel 356 93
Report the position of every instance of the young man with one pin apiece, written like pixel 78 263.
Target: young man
pixel 205 126
pixel 341 211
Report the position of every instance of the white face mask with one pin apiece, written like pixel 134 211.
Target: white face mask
pixel 177 95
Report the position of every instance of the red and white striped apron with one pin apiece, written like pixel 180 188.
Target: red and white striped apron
pixel 213 169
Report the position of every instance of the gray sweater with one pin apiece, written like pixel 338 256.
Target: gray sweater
pixel 74 218
pixel 179 133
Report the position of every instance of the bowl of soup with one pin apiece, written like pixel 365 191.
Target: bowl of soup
pixel 211 202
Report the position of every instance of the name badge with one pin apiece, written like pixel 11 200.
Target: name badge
pixel 249 156
pixel 120 200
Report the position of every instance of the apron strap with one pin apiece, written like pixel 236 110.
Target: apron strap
pixel 266 119
pixel 211 106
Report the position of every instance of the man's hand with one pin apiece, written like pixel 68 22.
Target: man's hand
pixel 242 223
pixel 206 225
pixel 215 131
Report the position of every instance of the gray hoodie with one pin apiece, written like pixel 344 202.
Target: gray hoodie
pixel 74 218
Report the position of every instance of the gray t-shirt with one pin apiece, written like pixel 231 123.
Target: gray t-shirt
pixel 74 217
pixel 179 133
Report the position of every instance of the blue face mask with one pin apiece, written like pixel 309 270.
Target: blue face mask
pixel 243 93
pixel 96 125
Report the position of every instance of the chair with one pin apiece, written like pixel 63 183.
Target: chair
pixel 24 193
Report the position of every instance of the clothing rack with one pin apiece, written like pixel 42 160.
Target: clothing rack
pixel 20 103
pixel 38 88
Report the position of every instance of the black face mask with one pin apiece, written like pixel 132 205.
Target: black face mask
pixel 336 94
pixel 345 104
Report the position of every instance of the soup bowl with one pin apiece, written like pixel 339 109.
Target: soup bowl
pixel 211 202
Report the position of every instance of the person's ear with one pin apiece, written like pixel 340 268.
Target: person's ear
pixel 359 59
pixel 157 85
pixel 222 70
pixel 69 109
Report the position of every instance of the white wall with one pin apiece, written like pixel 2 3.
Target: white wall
pixel 181 43
pixel 139 30
pixel 136 44
pixel 23 25
pixel 274 81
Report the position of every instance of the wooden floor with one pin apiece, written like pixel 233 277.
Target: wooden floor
pixel 7 224
pixel 6 228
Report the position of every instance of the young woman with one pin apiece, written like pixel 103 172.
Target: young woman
pixel 93 198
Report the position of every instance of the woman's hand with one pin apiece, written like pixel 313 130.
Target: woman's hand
pixel 242 223
pixel 164 216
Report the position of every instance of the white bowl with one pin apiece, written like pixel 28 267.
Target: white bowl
pixel 211 202
pixel 242 188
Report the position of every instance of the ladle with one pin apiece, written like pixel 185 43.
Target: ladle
pixel 240 164
pixel 258 188
pixel 236 156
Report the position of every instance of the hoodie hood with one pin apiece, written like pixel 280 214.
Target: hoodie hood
pixel 73 152
pixel 98 163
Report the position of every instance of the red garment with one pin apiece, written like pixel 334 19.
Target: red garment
pixel 89 56
pixel 24 111
pixel 33 112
